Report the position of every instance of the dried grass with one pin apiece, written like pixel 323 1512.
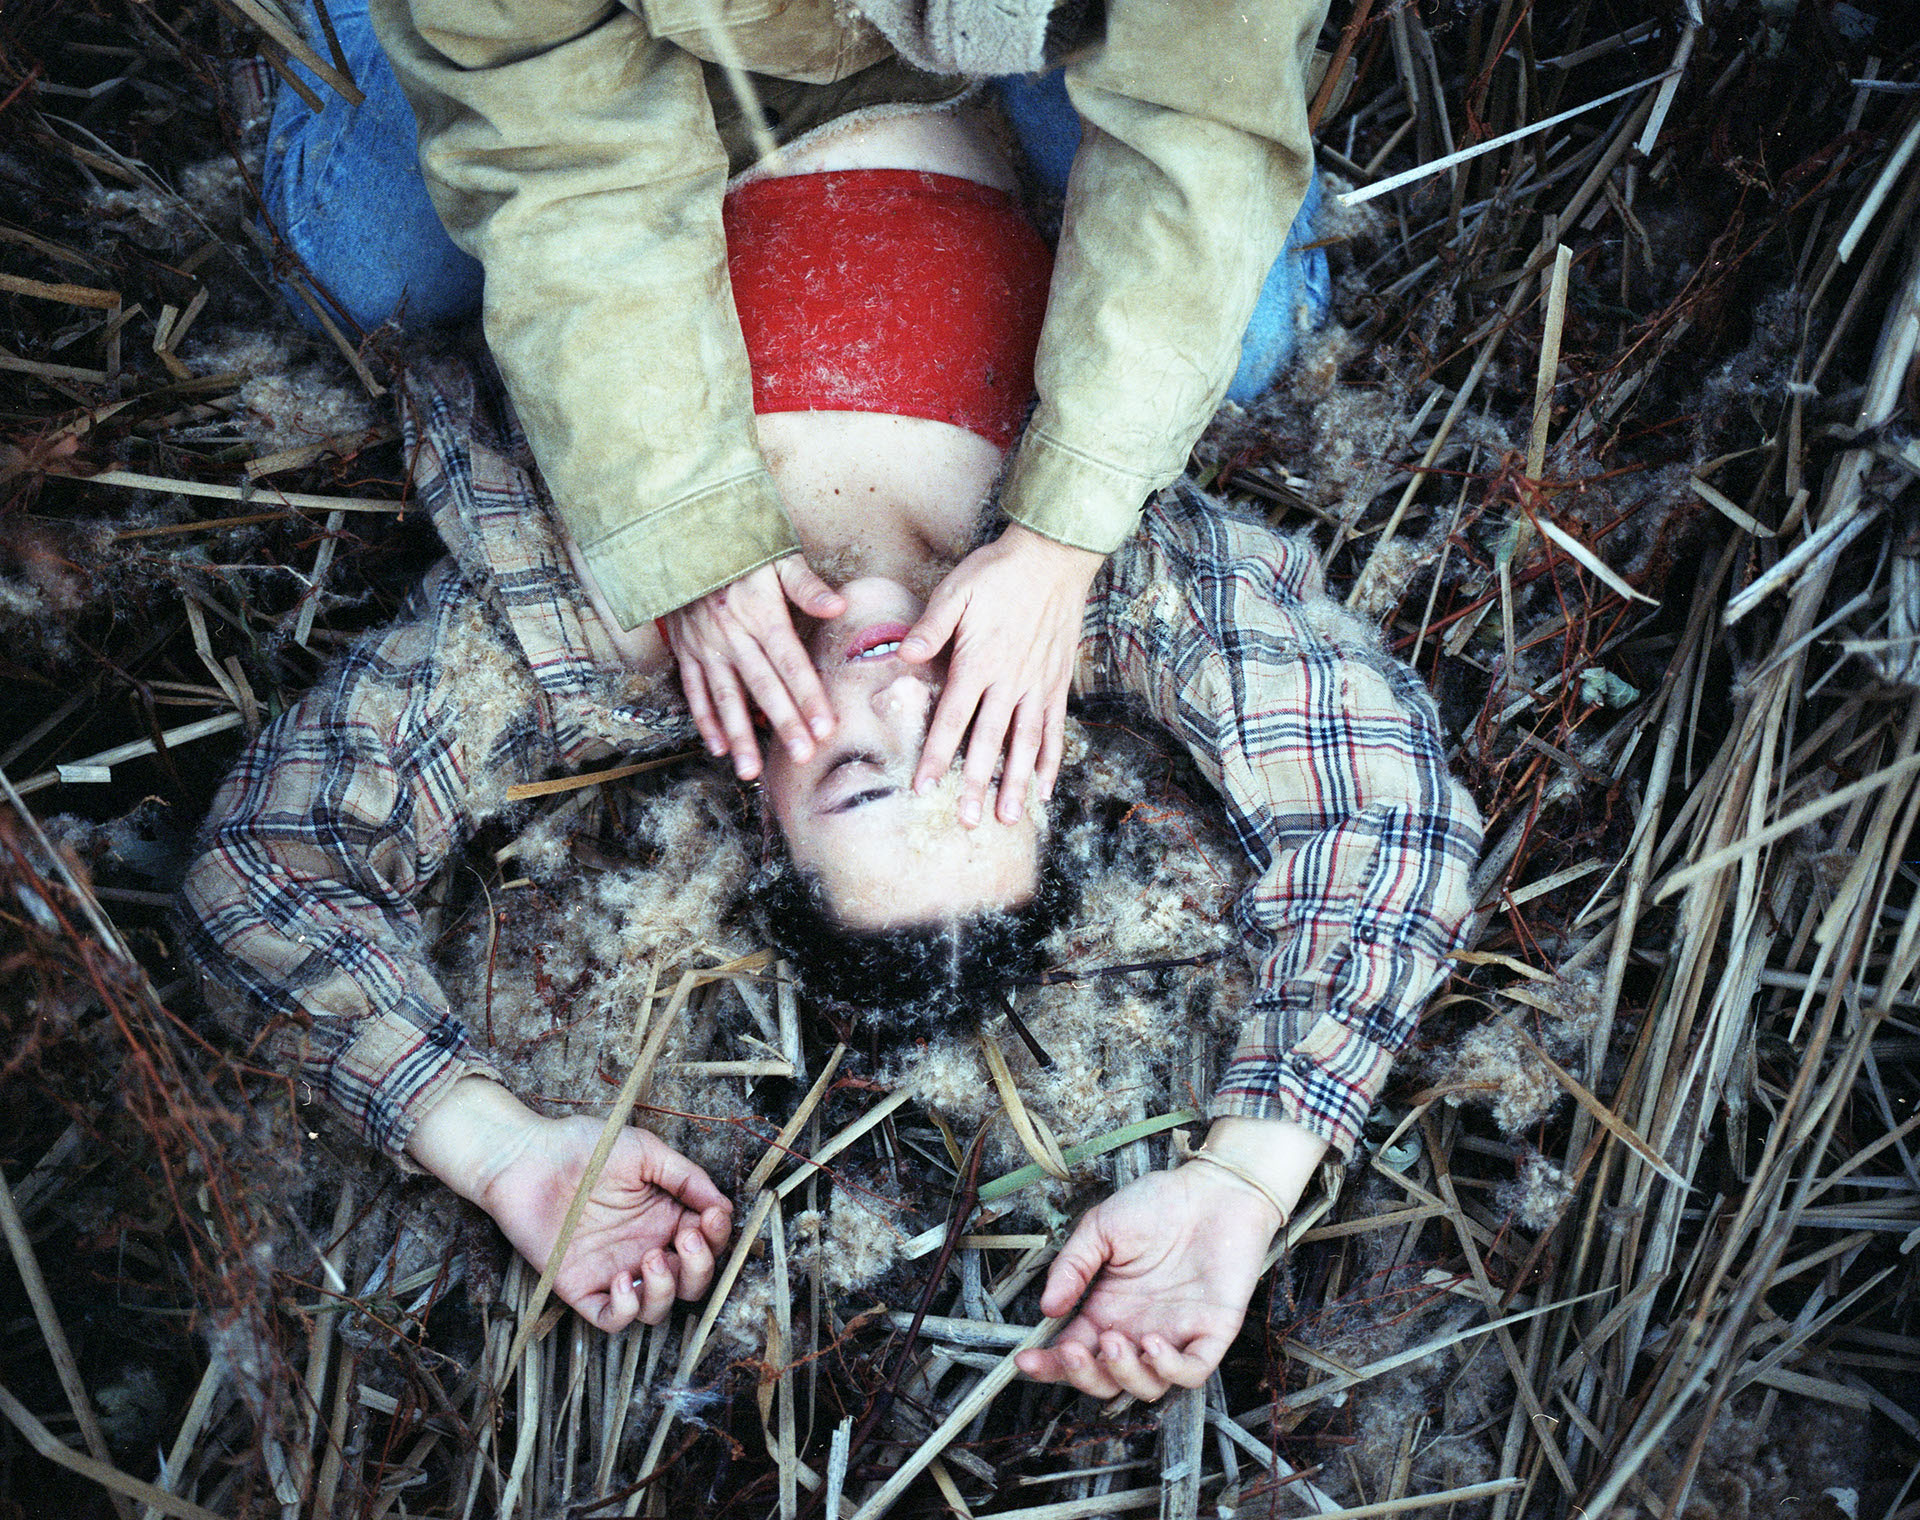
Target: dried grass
pixel 1614 441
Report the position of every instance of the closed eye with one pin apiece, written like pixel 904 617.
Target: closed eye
pixel 861 799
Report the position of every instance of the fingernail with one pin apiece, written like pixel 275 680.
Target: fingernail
pixel 1009 812
pixel 970 813
pixel 799 748
pixel 914 649
pixel 821 726
pixel 922 785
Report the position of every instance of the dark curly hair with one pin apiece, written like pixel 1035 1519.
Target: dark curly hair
pixel 914 980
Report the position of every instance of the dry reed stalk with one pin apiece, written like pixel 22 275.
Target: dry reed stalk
pixel 192 1426
pixel 134 480
pixel 1035 1137
pixel 28 1265
pixel 98 769
pixel 120 1488
pixel 1733 845
pixel 524 791
pixel 1716 814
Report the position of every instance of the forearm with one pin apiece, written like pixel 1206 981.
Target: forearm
pixel 1358 918
pixel 1329 759
pixel 575 156
pixel 1194 162
pixel 471 1135
pixel 299 905
pixel 294 944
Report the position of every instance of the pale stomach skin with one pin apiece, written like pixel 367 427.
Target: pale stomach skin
pixel 867 492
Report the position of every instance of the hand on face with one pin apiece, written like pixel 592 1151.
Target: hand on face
pixel 886 855
pixel 1012 611
pixel 739 643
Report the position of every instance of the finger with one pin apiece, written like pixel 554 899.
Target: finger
pixel 1070 1276
pixel 665 1167
pixel 696 1262
pixel 622 1304
pixel 800 684
pixel 693 682
pixel 983 753
pixel 1023 747
pixel 950 720
pixel 656 1287
pixel 806 590
pixel 1088 1372
pixel 1053 744
pixel 1069 1361
pixel 1188 1368
pixel 717 1224
pixel 927 637
pixel 1041 1364
pixel 1048 1364
pixel 768 688
pixel 1121 1358
pixel 737 723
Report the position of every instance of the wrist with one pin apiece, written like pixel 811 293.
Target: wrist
pixel 1277 1156
pixel 1064 558
pixel 1232 1178
pixel 472 1135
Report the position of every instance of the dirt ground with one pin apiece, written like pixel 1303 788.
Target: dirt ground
pixel 1612 433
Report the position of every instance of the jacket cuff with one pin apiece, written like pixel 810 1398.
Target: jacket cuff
pixel 678 554
pixel 1071 497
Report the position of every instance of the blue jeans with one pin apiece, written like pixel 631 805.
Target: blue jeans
pixel 344 188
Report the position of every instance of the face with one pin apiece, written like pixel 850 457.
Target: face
pixel 886 857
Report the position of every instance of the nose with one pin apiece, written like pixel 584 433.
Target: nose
pixel 906 695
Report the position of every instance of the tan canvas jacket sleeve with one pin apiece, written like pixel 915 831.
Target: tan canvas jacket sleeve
pixel 1194 162
pixel 571 147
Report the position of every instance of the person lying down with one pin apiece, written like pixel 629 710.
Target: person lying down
pixel 302 908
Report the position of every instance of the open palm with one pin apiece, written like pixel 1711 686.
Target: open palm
pixel 1167 1266
pixel 647 1234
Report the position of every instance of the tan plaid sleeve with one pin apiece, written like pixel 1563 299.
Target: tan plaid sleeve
pixel 299 907
pixel 1329 757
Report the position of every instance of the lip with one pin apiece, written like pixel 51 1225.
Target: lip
pixel 873 637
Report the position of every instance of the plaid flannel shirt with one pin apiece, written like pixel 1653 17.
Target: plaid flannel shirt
pixel 300 907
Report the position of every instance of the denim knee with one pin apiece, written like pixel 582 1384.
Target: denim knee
pixel 342 186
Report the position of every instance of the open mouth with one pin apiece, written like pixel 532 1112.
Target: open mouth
pixel 876 642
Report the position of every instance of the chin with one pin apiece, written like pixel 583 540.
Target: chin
pixel 877 596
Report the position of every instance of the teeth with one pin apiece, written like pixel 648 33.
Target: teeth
pixel 878 650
